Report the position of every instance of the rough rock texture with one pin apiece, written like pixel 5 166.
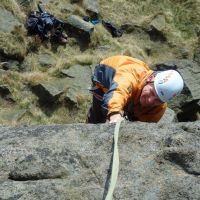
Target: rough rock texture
pixel 157 161
pixel 8 21
pixel 187 104
pixel 75 25
pixel 74 85
pixel 92 6
pixel 190 72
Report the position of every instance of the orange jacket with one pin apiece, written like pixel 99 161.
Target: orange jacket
pixel 122 78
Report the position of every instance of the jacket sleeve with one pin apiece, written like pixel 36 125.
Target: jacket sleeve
pixel 118 94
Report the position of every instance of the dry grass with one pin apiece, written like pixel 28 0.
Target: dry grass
pixel 13 82
pixel 100 36
pixel 62 9
pixel 33 78
pixel 13 45
pixel 36 116
pixel 14 7
pixel 58 67
pixel 182 24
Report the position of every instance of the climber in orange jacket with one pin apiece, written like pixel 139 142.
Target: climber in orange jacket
pixel 123 86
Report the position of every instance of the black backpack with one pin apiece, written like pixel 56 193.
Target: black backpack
pixel 40 22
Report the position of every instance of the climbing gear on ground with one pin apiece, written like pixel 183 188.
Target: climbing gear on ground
pixel 168 84
pixel 94 21
pixel 40 22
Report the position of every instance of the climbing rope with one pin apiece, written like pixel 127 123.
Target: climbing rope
pixel 115 163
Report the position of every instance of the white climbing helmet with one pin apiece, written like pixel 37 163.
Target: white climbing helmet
pixel 168 84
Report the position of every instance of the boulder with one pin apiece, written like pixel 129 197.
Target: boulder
pixel 156 29
pixel 12 44
pixel 158 22
pixel 168 117
pixel 78 28
pixel 78 78
pixel 12 116
pixel 8 21
pixel 48 92
pixel 46 60
pixel 157 161
pixel 92 6
pixel 72 87
pixel 71 98
pixel 78 81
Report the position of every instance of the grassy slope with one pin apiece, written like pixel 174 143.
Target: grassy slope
pixel 182 24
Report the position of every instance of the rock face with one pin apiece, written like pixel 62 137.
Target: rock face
pixel 77 27
pixel 187 104
pixel 73 86
pixel 73 161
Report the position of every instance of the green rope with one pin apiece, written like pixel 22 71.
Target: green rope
pixel 115 163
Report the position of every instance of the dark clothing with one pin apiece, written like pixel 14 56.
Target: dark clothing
pixel 40 23
pixel 96 114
